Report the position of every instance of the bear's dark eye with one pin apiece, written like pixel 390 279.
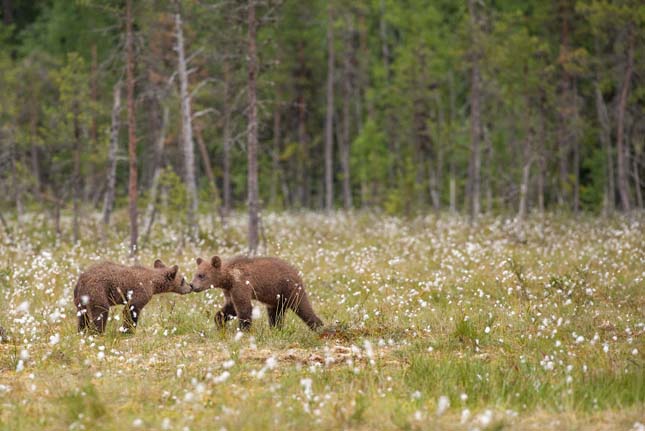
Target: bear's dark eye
pixel 200 276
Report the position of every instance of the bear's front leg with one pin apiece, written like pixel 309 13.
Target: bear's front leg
pixel 241 299
pixel 225 314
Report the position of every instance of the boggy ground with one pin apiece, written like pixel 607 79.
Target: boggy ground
pixel 435 324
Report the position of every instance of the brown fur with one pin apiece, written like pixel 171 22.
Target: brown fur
pixel 269 280
pixel 107 284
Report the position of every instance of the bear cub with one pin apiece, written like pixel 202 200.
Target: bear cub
pixel 106 284
pixel 269 280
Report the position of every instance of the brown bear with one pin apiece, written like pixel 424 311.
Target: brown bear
pixel 106 284
pixel 269 280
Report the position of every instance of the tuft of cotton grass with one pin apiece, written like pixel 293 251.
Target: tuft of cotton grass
pixel 443 403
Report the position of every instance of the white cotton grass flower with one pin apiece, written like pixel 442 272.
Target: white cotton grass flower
pixel 4 389
pixel 23 307
pixel 485 418
pixel 638 427
pixel 54 339
pixel 165 424
pixel 465 415
pixel 20 366
pixel 137 423
pixel 24 354
pixel 238 335
pixel 256 313
pixel 222 377
pixel 228 364
pixel 306 384
pixel 443 403
pixel 416 395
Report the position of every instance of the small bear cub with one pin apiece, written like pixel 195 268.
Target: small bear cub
pixel 106 284
pixel 269 280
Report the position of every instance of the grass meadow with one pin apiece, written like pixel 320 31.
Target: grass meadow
pixel 433 324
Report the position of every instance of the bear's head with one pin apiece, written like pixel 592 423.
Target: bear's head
pixel 209 274
pixel 172 281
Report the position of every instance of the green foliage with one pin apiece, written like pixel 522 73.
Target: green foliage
pixel 175 203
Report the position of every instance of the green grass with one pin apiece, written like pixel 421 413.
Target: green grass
pixel 546 333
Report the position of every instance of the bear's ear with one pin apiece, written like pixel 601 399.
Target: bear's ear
pixel 172 273
pixel 159 264
pixel 216 262
pixel 199 260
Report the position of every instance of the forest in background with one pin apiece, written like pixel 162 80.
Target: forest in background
pixel 409 106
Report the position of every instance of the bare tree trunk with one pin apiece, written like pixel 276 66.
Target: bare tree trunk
pixel 623 185
pixel 346 132
pixel 5 226
pixel 187 130
pixel 253 131
pixel 132 140
pixel 156 175
pixel 76 180
pixel 112 150
pixel 329 117
pixel 227 139
pixel 474 177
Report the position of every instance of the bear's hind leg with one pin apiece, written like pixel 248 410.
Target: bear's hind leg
pixel 302 307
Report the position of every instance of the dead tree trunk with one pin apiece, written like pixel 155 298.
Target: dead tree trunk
pixel 329 117
pixel 156 175
pixel 623 185
pixel 474 177
pixel 187 129
pixel 132 139
pixel 112 151
pixel 252 132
